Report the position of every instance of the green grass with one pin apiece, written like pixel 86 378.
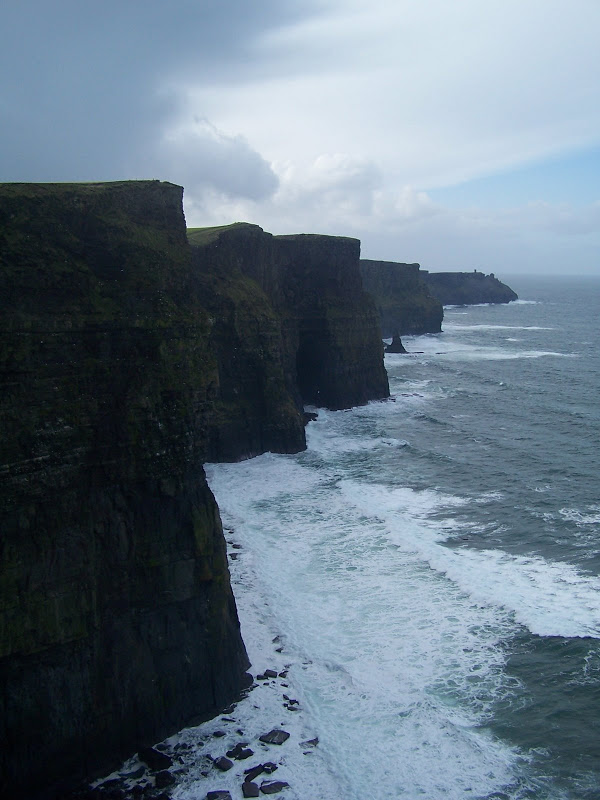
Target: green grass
pixel 203 236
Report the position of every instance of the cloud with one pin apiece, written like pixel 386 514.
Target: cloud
pixel 84 87
pixel 204 158
pixel 327 115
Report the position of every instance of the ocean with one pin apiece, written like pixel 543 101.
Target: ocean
pixel 425 578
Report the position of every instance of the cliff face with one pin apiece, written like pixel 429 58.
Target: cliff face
pixel 127 359
pixel 468 288
pixel 117 619
pixel 403 299
pixel 331 351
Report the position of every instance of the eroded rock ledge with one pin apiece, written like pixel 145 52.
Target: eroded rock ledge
pixel 128 359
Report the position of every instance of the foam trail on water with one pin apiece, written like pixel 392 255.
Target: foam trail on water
pixel 396 667
pixel 550 598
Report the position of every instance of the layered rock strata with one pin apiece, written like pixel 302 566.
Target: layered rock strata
pixel 403 300
pixel 467 288
pixel 127 359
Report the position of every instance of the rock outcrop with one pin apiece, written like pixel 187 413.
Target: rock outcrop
pixel 403 299
pixel 467 288
pixel 396 346
pixel 127 359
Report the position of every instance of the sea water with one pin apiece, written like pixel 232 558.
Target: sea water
pixel 426 575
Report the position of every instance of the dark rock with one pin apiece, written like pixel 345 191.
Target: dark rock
pixel 269 767
pixel 155 759
pixel 253 772
pixel 250 789
pixel 223 763
pixel 275 737
pixel 270 673
pixel 240 752
pixel 229 710
pixel 273 787
pixel 310 742
pixel 396 346
pixel 219 734
pixel 164 779
pixel 218 795
pixel 135 774
pixel 310 416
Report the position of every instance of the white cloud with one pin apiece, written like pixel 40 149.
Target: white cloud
pixel 434 92
pixel 203 158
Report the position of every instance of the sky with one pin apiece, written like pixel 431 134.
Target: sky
pixel 462 134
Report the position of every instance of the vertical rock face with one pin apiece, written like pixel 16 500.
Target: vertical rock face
pixel 117 619
pixel 339 357
pixel 468 288
pixel 403 299
pixel 331 350
pixel 256 405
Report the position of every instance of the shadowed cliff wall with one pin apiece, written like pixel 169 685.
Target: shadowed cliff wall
pixel 331 351
pixel 117 620
pixel 402 298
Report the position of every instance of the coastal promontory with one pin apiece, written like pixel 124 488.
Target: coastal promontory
pixel 467 288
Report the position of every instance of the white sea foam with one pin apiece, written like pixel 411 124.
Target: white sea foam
pixel 452 349
pixel 395 667
pixel 482 327
pixel 591 516
pixel 550 598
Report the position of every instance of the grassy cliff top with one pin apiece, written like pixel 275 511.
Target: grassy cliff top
pixel 203 236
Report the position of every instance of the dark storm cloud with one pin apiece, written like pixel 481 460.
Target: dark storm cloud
pixel 82 83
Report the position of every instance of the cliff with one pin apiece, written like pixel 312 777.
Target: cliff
pixel 403 299
pixel 331 350
pixel 117 620
pixel 127 359
pixel 468 288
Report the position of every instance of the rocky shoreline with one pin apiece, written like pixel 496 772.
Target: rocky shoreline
pixel 244 751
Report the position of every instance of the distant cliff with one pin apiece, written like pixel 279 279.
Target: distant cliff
pixel 467 288
pixel 331 351
pixel 127 359
pixel 402 297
